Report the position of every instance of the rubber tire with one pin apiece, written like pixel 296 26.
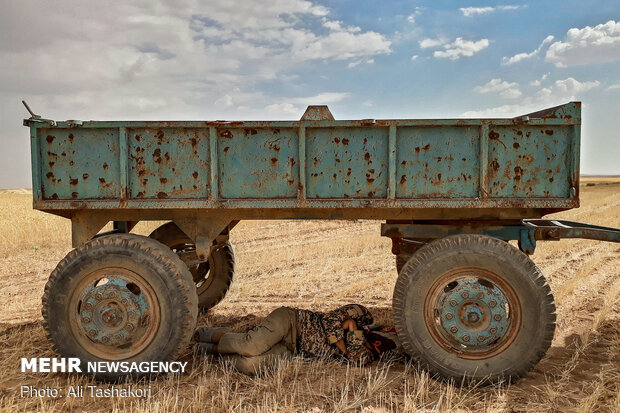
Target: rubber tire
pixel 163 270
pixel 221 264
pixel 514 267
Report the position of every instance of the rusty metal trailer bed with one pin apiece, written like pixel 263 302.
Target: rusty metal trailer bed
pixel 451 192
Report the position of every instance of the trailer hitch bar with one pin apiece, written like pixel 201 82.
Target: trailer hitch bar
pixel 526 232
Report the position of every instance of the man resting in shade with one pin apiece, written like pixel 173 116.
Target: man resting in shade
pixel 337 334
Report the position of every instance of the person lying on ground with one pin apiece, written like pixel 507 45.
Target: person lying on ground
pixel 288 332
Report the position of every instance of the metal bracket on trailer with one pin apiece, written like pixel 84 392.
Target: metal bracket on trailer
pixel 526 231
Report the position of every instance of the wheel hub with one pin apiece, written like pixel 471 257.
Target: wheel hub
pixel 114 313
pixel 473 314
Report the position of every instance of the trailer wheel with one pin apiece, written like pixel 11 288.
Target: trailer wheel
pixel 473 308
pixel 212 277
pixel 120 297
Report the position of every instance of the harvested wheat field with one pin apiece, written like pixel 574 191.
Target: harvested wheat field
pixel 321 265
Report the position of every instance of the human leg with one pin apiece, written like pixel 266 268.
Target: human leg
pixel 280 325
pixel 253 365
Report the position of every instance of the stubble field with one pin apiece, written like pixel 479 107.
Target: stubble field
pixel 321 265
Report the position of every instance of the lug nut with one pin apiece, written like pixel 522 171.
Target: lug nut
pixel 111 294
pixel 88 306
pixel 480 339
pixel 497 317
pixel 449 316
pixel 492 303
pixel 86 320
pixel 465 338
pixel 493 330
pixel 93 332
pixel 105 339
pixel 480 295
pixel 465 294
pixel 98 296
pixel 124 301
pixel 453 303
pixel 454 330
pixel 129 327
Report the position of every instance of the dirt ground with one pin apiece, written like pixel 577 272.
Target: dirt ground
pixel 321 265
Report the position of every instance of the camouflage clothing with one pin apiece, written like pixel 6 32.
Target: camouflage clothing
pixel 318 332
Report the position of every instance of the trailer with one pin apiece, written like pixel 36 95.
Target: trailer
pixel 468 304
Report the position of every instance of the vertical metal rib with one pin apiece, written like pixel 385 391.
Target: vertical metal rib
pixel 123 173
pixel 392 162
pixel 213 180
pixel 484 160
pixel 302 161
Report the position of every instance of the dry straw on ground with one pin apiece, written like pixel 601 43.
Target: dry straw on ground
pixel 320 265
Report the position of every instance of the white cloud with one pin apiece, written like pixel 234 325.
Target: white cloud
pixel 428 43
pixel 411 18
pixel 473 11
pixel 521 56
pixel 598 44
pixel 538 82
pixel 561 91
pixel 296 106
pixel 414 57
pixel 613 87
pixel 460 47
pixel 507 90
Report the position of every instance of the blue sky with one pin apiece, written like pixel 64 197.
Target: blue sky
pixel 219 59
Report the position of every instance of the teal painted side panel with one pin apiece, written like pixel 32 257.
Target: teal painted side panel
pixel 347 162
pixel 258 162
pixel 168 162
pixel 436 162
pixel 530 161
pixel 79 164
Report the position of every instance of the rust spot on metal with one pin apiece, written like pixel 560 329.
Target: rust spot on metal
pixel 159 135
pixel 274 161
pixel 495 165
pixel 426 147
pixel 551 179
pixel 163 180
pixel 71 137
pixel 226 134
pixel 345 141
pixel 367 156
pixel 417 149
pixel 105 166
pixel 335 176
pixel 520 133
pixel 549 132
pixel 348 171
pixel 371 194
pixel 518 173
pixel 64 154
pixel 167 156
pixel 226 149
pixel 494 136
pixel 195 174
pixel 336 140
pixel 50 138
pixel 73 181
pixel 137 137
pixel 74 195
pixel 140 195
pixel 276 131
pixel 84 176
pixel 516 145
pixel 370 180
pixel 161 195
pixel 194 142
pixel 403 179
pixel 157 155
pixel 49 175
pixel 54 196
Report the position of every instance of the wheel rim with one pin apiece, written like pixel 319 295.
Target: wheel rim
pixel 201 273
pixel 114 313
pixel 472 313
